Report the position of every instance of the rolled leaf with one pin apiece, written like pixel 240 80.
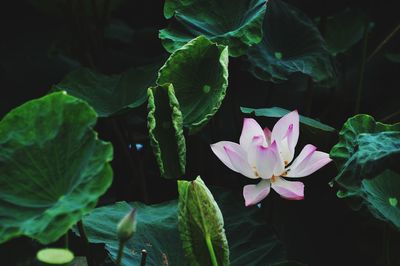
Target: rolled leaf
pixel 201 225
pixel 164 122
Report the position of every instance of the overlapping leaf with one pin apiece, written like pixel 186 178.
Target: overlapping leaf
pixel 343 30
pixel 291 44
pixel 365 152
pixel 52 167
pixel 199 73
pixel 362 140
pixel 166 131
pixel 201 225
pixel 156 232
pixel 253 242
pixel 279 112
pixel 235 23
pixel 110 94
pixel 382 194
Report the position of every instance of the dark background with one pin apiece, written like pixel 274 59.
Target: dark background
pixel 37 49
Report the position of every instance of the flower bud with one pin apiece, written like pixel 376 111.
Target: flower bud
pixel 127 226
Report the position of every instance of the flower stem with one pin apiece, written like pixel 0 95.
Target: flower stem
pixel 82 233
pixel 66 239
pixel 387 39
pixel 386 245
pixel 362 70
pixel 144 257
pixel 210 247
pixel 120 253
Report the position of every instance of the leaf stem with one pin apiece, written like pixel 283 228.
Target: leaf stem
pixel 82 233
pixel 362 70
pixel 120 252
pixel 387 39
pixel 144 257
pixel 210 247
pixel 386 118
pixel 309 96
pixel 386 245
pixel 66 239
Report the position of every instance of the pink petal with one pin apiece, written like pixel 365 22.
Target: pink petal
pixel 307 151
pixel 287 127
pixel 218 149
pixel 279 165
pixel 267 134
pixel 288 189
pixel 308 161
pixel 239 161
pixel 253 194
pixel 252 151
pixel 250 129
pixel 265 161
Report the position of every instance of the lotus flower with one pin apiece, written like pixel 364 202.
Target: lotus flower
pixel 262 154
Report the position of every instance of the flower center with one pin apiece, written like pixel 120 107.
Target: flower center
pixel 255 171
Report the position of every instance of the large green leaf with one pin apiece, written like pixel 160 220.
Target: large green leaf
pixel 166 132
pixel 343 30
pixel 156 232
pixel 253 242
pixel 375 144
pixel 365 153
pixel 110 94
pixel 374 152
pixel 382 194
pixel 291 43
pixel 201 225
pixel 279 112
pixel 199 73
pixel 53 168
pixel 235 23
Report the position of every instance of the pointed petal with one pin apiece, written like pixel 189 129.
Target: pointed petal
pixel 219 151
pixel 287 127
pixel 279 165
pixel 305 152
pixel 292 190
pixel 267 134
pixel 308 161
pixel 252 151
pixel 250 129
pixel 253 194
pixel 266 161
pixel 239 162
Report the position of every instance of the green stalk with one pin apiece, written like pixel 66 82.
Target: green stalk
pixel 144 257
pixel 362 70
pixel 120 253
pixel 210 247
pixel 66 238
pixel 82 233
pixel 386 40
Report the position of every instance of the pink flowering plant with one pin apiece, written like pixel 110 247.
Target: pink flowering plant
pixel 115 116
pixel 268 155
